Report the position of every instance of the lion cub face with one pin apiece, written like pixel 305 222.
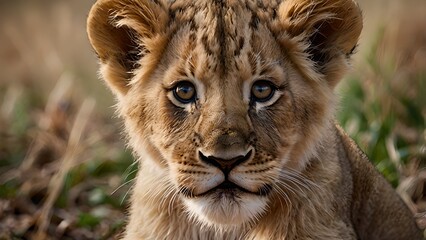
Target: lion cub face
pixel 228 98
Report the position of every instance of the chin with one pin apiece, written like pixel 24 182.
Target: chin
pixel 226 209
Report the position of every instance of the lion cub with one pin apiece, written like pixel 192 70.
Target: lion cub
pixel 229 106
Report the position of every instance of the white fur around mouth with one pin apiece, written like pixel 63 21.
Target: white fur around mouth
pixel 226 208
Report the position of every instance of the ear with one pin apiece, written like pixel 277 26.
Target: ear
pixel 122 33
pixel 329 28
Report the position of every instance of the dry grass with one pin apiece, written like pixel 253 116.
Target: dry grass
pixel 64 172
pixel 61 155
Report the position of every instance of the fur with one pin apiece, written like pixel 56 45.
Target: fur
pixel 301 177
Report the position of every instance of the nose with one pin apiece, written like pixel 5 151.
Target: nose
pixel 226 165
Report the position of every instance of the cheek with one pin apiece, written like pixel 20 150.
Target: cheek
pixel 313 115
pixel 312 103
pixel 275 127
pixel 174 127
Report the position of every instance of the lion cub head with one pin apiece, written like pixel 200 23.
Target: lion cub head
pixel 228 97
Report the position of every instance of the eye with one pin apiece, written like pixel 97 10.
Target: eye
pixel 184 92
pixel 262 91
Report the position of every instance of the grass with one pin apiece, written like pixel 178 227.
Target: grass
pixel 383 108
pixel 64 169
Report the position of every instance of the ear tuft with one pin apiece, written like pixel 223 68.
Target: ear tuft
pixel 330 28
pixel 118 31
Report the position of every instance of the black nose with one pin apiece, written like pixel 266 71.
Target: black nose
pixel 226 165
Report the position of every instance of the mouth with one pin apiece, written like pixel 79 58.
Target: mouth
pixel 226 187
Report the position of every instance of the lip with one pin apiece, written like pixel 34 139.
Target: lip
pixel 226 186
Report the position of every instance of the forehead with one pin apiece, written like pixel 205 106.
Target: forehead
pixel 223 32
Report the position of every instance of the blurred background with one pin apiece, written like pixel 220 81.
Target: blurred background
pixel 65 172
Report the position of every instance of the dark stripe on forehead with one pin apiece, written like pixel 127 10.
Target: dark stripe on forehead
pixel 222 27
pixel 239 47
pixel 254 22
pixel 220 34
pixel 205 42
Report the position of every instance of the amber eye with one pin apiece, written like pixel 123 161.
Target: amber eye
pixel 262 91
pixel 184 92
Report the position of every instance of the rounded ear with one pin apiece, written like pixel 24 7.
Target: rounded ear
pixel 330 28
pixel 119 31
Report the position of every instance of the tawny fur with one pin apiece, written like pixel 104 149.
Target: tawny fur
pixel 321 186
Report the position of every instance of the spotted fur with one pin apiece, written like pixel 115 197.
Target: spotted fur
pixel 296 175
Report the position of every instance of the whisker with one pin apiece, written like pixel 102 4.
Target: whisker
pixel 296 184
pixel 122 185
pixel 124 197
